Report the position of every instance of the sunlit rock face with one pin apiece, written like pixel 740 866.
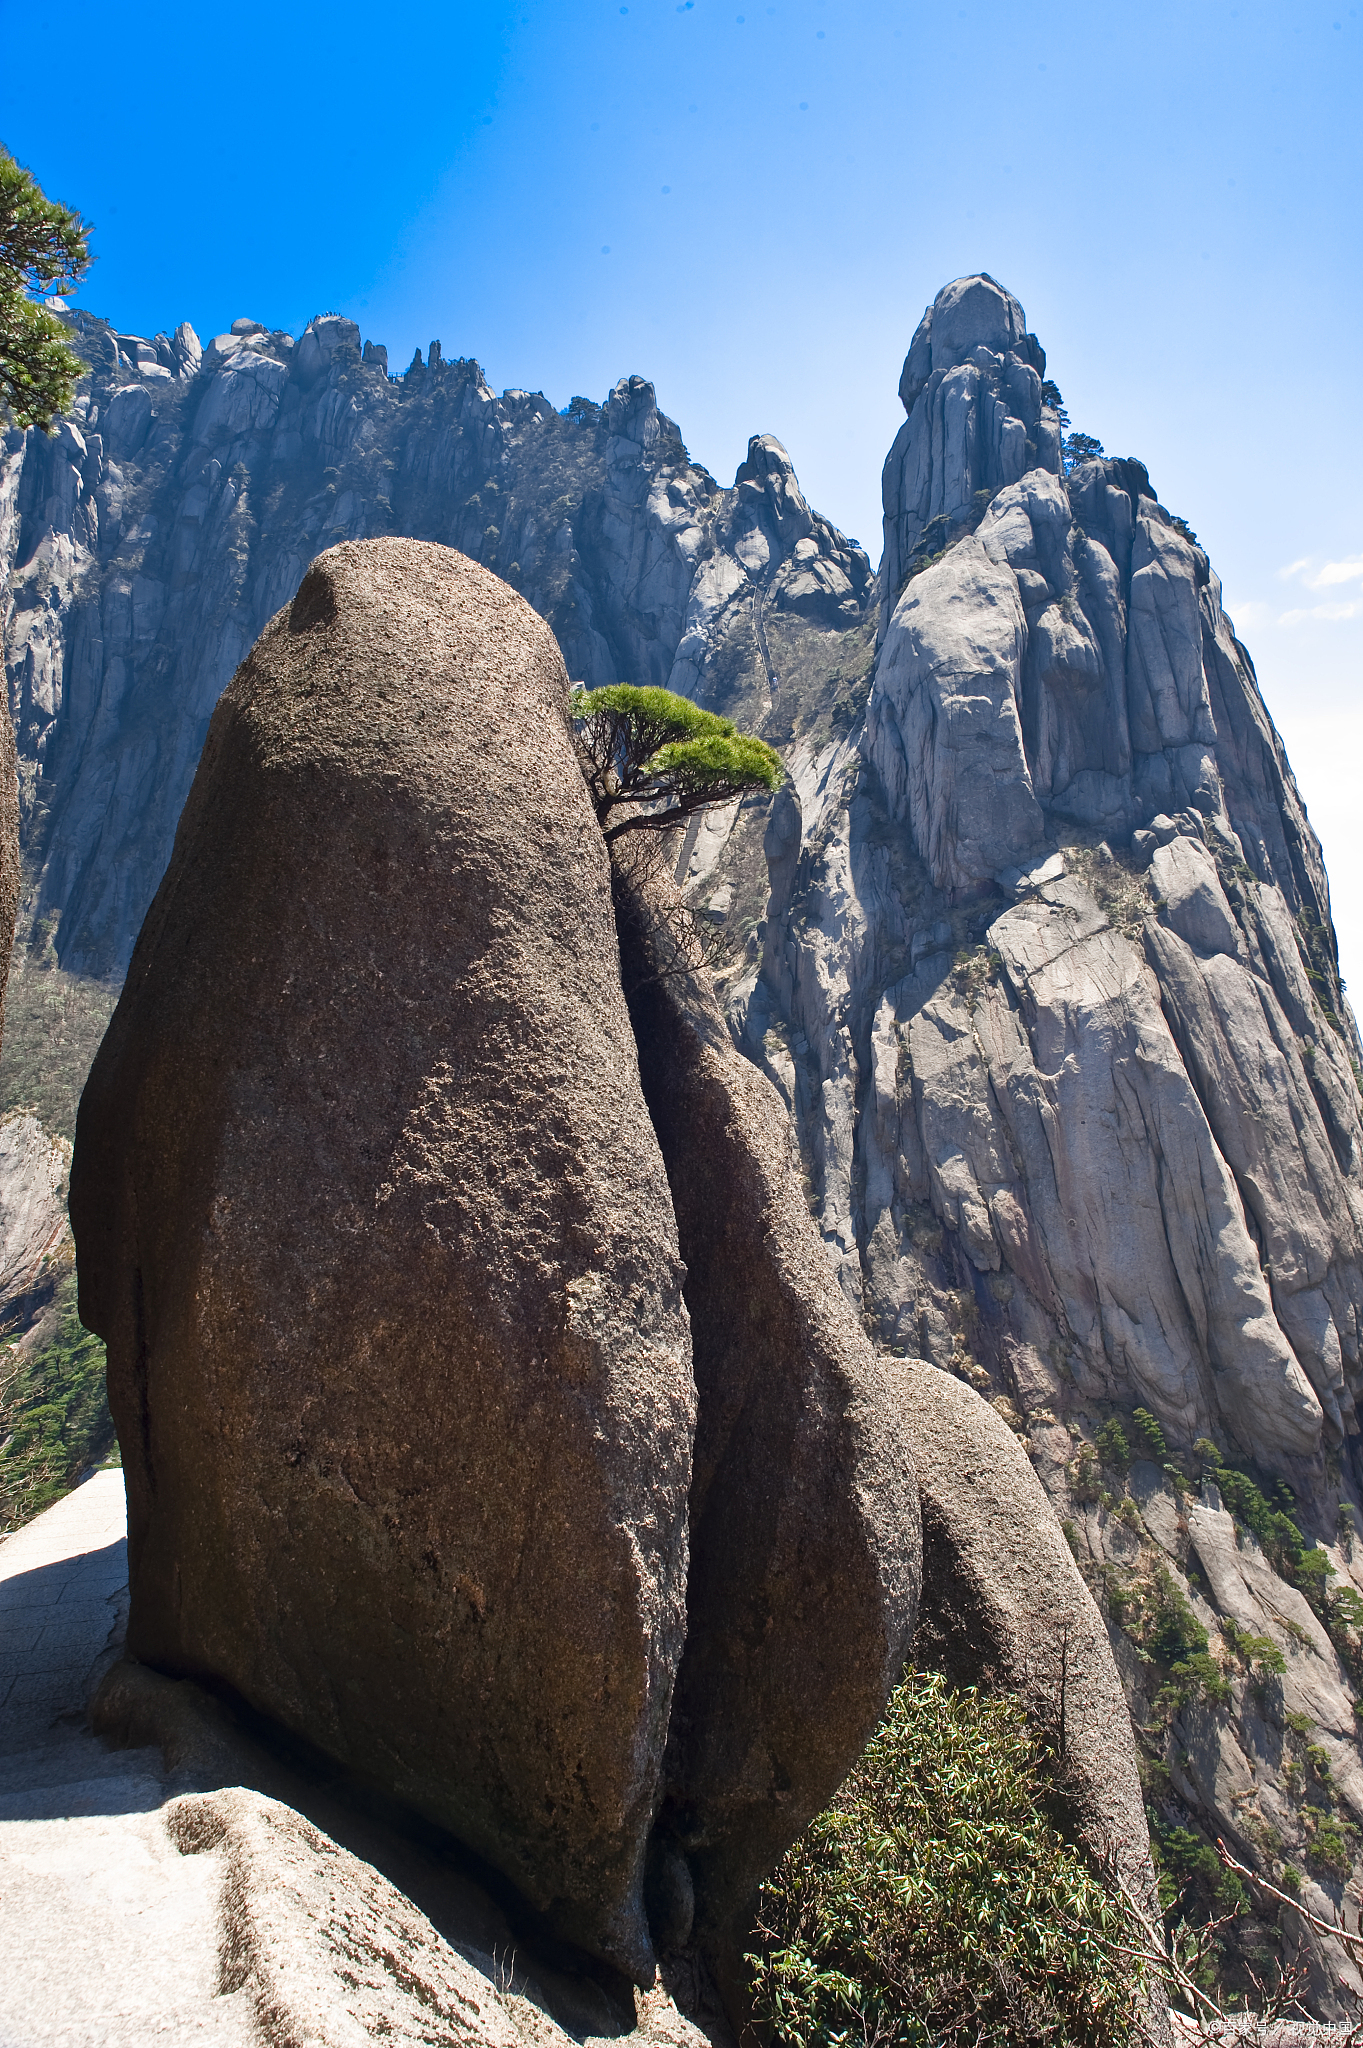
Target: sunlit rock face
pixel 1049 980
pixel 145 546
pixel 1125 1124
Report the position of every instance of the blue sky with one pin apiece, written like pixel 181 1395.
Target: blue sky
pixel 751 204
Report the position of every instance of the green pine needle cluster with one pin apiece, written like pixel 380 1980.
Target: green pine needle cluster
pixel 934 1902
pixel 43 249
pixel 660 757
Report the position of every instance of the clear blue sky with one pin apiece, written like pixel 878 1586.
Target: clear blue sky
pixel 752 203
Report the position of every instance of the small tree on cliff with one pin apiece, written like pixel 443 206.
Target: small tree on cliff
pixel 1078 448
pixel 43 248
pixel 657 758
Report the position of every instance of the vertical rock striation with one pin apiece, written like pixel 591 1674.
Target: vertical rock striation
pixel 144 548
pixel 1057 976
pixel 1035 944
pixel 1049 981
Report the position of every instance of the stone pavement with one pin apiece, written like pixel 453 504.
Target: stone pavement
pixel 137 1905
pixel 61 1585
pixel 108 1935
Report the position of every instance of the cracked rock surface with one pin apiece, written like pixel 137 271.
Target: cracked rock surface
pixel 1049 982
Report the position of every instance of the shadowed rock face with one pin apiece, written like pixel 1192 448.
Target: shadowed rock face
pixel 9 853
pixel 372 1219
pixel 804 1514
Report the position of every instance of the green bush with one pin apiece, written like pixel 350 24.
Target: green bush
pixel 1171 1631
pixel 1149 1436
pixel 1194 1677
pixel 1259 1652
pixel 1329 1849
pixel 934 1901
pixel 1194 1884
pixel 662 757
pixel 1113 1447
pixel 1269 1517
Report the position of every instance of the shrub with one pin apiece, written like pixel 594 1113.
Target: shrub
pixel 1198 1676
pixel 662 757
pixel 1329 1849
pixel 1259 1652
pixel 1309 1573
pixel 1344 1620
pixel 1076 448
pixel 1149 1436
pixel 1171 1631
pixel 1193 1881
pixel 1085 1476
pixel 934 1901
pixel 1269 1517
pixel 1113 1447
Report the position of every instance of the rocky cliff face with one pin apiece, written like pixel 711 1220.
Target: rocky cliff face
pixel 1049 980
pixel 146 544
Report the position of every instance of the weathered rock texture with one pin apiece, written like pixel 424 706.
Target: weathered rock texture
pixel 804 1515
pixel 144 547
pixel 9 853
pixel 1049 981
pixel 1004 1607
pixel 371 1216
pixel 1135 1105
pixel 971 388
pixel 35 1245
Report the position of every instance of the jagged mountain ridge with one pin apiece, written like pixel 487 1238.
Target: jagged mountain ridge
pixel 149 540
pixel 1063 676
pixel 1049 981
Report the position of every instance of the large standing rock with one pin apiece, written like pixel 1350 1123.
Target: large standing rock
pixel 372 1219
pixel 804 1511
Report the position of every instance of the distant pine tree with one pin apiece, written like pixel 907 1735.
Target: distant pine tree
pixel 44 249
